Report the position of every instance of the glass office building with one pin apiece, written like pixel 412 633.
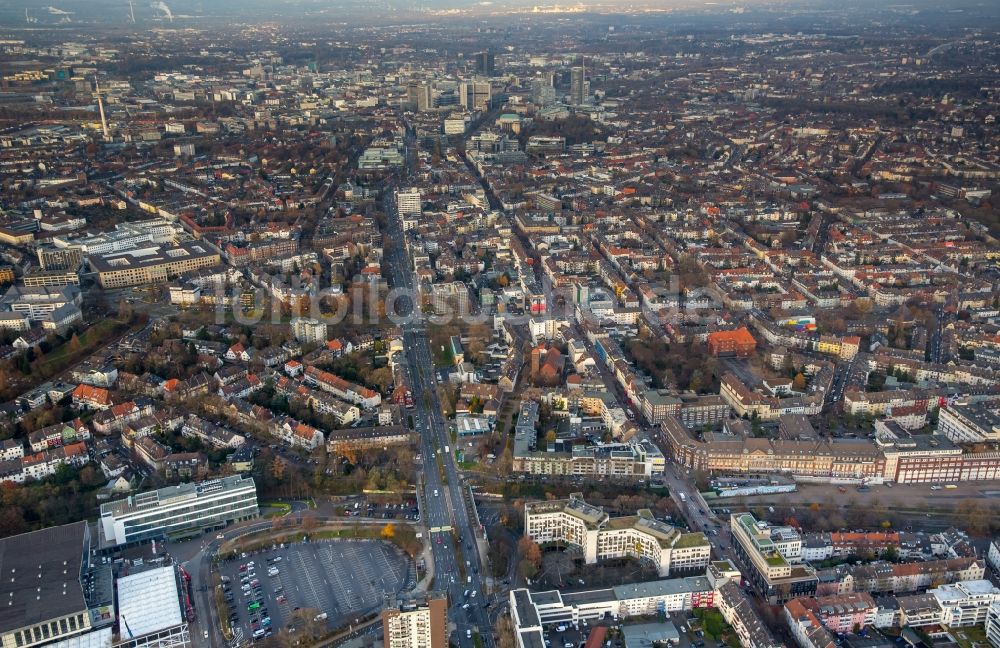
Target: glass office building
pixel 178 511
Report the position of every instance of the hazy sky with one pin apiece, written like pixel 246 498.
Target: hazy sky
pixel 54 12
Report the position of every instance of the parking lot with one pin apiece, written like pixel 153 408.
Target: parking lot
pixel 361 507
pixel 340 578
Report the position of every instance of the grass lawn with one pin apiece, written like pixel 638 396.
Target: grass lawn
pixel 971 636
pixel 712 622
pixel 275 509
pixel 90 339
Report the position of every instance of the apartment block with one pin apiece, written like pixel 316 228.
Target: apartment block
pixel 601 537
pixel 420 621
pixel 308 330
pixel 771 558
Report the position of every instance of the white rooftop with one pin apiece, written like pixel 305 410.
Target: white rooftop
pixel 148 602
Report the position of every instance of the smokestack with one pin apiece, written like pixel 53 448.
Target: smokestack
pixel 131 12
pixel 100 108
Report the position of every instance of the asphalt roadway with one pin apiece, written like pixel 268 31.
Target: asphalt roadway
pixel 443 507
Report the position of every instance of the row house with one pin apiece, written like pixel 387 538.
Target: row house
pixel 45 463
pixel 883 577
pixel 365 438
pixel 211 434
pixel 242 388
pixel 115 418
pixel 348 391
pixel 11 449
pixel 321 402
pixel 57 435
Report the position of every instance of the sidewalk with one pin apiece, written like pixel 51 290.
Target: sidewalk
pixel 427 555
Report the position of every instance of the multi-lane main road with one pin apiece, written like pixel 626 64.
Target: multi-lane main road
pixel 452 531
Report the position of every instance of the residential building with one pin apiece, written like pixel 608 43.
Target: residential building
pixel 965 603
pixel 740 613
pixel 618 602
pixel 993 625
pixel 970 422
pixel 408 201
pixel 636 458
pixel 601 537
pixel 806 629
pixel 308 330
pixel 993 555
pixel 418 621
pixel 344 389
pixel 771 558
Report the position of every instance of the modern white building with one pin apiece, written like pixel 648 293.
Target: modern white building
pixel 125 236
pixel 771 558
pixel 965 422
pixel 601 537
pixel 638 599
pixel 965 603
pixel 177 511
pixel 993 625
pixel 993 555
pixel 38 302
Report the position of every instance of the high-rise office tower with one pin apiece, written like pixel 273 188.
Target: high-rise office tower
pixel 577 86
pixel 542 91
pixel 486 63
pixel 475 95
pixel 422 96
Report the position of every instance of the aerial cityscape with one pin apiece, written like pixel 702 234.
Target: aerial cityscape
pixel 499 324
